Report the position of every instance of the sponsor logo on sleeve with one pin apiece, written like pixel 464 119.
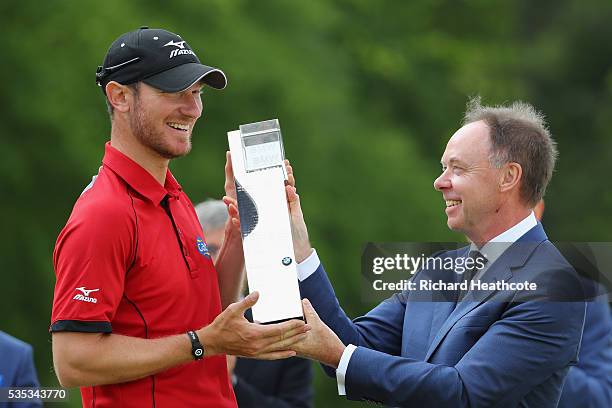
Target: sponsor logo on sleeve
pixel 84 296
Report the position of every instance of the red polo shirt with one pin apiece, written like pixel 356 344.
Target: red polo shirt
pixel 132 260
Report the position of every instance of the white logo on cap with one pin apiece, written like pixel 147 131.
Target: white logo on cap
pixel 180 50
pixel 180 44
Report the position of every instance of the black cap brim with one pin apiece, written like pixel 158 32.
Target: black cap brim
pixel 181 77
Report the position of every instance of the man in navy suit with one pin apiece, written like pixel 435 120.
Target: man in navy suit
pixel 17 368
pixel 503 348
pixel 589 383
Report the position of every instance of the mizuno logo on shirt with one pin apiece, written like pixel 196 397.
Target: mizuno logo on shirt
pixel 85 296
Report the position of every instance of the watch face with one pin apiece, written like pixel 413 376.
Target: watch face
pixel 198 352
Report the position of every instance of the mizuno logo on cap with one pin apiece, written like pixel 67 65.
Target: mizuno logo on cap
pixel 180 50
pixel 180 44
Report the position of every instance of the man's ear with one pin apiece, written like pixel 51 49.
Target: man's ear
pixel 511 174
pixel 119 96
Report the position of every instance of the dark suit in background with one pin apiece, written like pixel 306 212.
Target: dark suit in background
pixel 273 383
pixel 279 383
pixel 589 384
pixel 17 368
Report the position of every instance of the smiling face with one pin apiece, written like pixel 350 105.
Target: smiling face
pixel 469 184
pixel 162 122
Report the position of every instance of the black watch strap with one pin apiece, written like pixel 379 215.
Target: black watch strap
pixel 197 350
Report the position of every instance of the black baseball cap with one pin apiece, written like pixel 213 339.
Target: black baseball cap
pixel 157 57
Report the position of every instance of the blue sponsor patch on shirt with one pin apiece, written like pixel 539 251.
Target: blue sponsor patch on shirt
pixel 202 248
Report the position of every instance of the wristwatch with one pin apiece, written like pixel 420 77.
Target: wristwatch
pixel 197 349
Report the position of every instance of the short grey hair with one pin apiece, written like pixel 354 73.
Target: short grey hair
pixel 212 214
pixel 518 134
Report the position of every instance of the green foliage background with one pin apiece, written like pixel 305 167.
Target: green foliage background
pixel 367 93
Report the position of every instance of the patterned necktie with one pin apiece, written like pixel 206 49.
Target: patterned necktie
pixel 477 263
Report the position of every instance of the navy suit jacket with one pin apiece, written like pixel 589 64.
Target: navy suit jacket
pixel 16 367
pixel 274 384
pixel 283 383
pixel 589 384
pixel 507 350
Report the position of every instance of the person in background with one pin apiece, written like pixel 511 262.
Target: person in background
pixel 589 383
pixel 271 384
pixel 17 368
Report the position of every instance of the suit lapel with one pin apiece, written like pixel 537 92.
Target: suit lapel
pixel 441 312
pixel 496 272
pixel 514 256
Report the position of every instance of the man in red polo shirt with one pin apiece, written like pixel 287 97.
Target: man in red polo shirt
pixel 141 316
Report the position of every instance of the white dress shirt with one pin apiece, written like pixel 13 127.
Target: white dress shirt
pixel 492 250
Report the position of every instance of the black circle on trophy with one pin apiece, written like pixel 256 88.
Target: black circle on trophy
pixel 287 261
